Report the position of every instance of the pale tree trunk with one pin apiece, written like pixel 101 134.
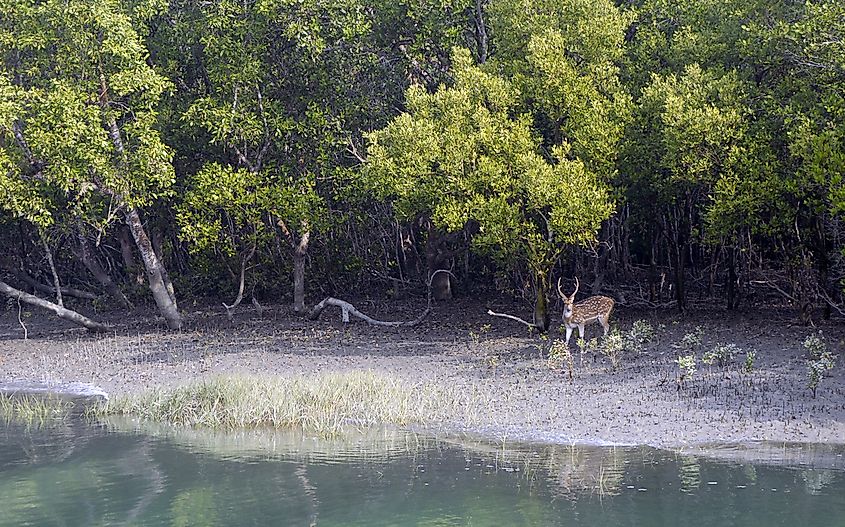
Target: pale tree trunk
pixel 241 282
pixel 299 249
pixel 165 276
pixel 155 270
pixel 166 305
pixel 481 31
pixel 60 311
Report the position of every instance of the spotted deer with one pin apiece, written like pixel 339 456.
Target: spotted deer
pixel 584 312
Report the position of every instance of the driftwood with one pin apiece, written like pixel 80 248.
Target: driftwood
pixel 60 311
pixel 348 309
pixel 511 317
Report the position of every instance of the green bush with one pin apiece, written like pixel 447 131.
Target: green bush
pixel 750 357
pixel 722 354
pixel 692 340
pixel 612 347
pixel 640 334
pixel 820 362
pixel 687 367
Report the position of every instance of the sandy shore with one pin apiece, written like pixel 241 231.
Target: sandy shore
pixel 640 403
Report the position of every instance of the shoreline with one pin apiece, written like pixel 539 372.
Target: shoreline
pixel 641 403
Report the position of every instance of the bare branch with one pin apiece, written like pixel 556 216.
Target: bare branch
pixel 60 311
pixel 348 309
pixel 511 317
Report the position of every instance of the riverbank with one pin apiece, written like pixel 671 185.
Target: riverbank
pixel 461 348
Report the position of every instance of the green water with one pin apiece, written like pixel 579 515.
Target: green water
pixel 78 474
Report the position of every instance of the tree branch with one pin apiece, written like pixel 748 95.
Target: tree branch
pixel 60 311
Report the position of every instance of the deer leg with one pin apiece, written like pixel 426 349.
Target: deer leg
pixel 568 334
pixel 581 332
pixel 605 324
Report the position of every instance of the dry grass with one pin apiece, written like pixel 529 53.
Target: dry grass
pixel 323 403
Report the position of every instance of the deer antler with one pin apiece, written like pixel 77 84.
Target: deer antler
pixel 577 285
pixel 560 290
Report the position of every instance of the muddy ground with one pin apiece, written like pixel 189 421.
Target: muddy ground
pixel 459 344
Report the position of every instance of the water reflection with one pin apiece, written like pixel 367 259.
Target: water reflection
pixel 129 473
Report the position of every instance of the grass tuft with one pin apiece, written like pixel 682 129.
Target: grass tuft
pixel 31 410
pixel 324 403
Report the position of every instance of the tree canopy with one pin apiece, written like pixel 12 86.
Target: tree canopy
pixel 234 145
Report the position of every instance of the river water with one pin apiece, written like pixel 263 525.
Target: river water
pixel 125 473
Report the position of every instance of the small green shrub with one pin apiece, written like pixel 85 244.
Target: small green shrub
pixel 687 367
pixel 721 354
pixel 612 347
pixel 693 339
pixel 815 345
pixel 640 334
pixel 748 365
pixel 820 362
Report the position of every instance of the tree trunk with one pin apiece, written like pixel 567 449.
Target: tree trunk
pixel 166 305
pixel 823 264
pixel 89 259
pixel 165 276
pixel 731 279
pixel 56 283
pixel 542 320
pixel 299 253
pixel 652 266
pixel 679 252
pixel 601 262
pixel 132 269
pixel 437 258
pixel 60 311
pixel 481 32
pixel 409 260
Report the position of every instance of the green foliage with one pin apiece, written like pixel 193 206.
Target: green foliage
pixel 750 358
pixel 219 194
pixel 640 334
pixel 686 366
pixel 820 361
pixel 816 370
pixel 612 346
pixel 690 341
pixel 75 79
pixel 815 345
pixel 563 56
pixel 722 354
pixel 459 154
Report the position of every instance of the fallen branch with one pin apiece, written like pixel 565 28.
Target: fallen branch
pixel 348 309
pixel 773 286
pixel 60 311
pixel 511 317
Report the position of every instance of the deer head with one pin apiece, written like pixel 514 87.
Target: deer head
pixel 568 300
